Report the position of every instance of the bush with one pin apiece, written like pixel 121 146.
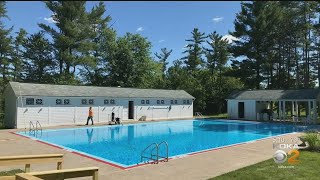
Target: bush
pixel 313 139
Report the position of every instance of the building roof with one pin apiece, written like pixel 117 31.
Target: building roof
pixel 267 95
pixel 31 89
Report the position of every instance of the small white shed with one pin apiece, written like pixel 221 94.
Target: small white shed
pixel 53 105
pixel 252 104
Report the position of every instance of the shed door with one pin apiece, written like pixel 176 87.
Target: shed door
pixel 241 109
pixel 131 110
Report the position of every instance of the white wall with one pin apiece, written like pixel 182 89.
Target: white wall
pixel 49 114
pixel 249 109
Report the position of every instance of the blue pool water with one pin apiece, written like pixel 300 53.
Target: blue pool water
pixel 122 145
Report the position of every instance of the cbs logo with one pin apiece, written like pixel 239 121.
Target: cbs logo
pixel 280 156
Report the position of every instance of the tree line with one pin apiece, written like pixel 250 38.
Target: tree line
pixel 277 46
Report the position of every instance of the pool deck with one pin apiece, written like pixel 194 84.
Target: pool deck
pixel 202 165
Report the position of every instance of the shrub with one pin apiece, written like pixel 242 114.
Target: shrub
pixel 313 139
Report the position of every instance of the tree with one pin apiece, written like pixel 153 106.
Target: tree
pixel 251 27
pixel 72 37
pixel 17 55
pixel 38 55
pixel 217 54
pixel 131 64
pixel 95 73
pixel 5 46
pixel 163 58
pixel 194 51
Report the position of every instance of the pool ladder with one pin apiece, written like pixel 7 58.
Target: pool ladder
pixel 155 157
pixel 199 115
pixel 35 129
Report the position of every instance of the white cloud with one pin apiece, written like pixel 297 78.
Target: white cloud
pixel 217 19
pixel 161 41
pixel 49 20
pixel 185 47
pixel 139 29
pixel 230 38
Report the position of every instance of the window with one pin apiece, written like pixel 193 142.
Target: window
pixel 58 101
pixel 147 102
pixel 158 101
pixel 184 101
pixel 171 101
pixel 112 101
pixel 162 101
pixel 91 101
pixel 142 101
pixel 188 102
pixel 106 101
pixel 30 101
pixel 176 101
pixel 39 101
pixel 66 101
pixel 83 101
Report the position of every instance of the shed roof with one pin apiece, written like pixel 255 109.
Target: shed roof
pixel 32 89
pixel 268 95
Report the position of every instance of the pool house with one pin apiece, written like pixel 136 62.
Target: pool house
pixel 275 104
pixel 53 105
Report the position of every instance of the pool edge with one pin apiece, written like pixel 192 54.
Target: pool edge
pixel 138 165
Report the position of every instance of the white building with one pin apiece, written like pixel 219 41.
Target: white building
pixel 53 105
pixel 252 104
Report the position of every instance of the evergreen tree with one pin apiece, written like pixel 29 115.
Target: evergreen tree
pixel 163 60
pixel 72 36
pixel 95 73
pixel 38 63
pixel 17 55
pixel 194 51
pixel 5 46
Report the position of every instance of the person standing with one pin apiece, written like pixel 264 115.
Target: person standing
pixel 90 116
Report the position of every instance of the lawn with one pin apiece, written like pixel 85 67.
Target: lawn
pixel 217 116
pixel 308 168
pixel 11 172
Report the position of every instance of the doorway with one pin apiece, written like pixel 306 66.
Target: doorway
pixel 131 110
pixel 241 109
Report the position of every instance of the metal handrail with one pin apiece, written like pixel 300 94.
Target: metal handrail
pixel 156 147
pixel 151 155
pixel 31 124
pixel 38 123
pixel 198 114
pixel 167 151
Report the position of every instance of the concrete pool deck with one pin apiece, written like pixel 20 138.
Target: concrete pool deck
pixel 202 165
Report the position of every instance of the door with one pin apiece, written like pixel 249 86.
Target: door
pixel 241 109
pixel 131 110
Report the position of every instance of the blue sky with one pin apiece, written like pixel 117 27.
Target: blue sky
pixel 165 24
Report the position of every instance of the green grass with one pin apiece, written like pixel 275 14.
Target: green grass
pixel 11 172
pixel 308 168
pixel 217 116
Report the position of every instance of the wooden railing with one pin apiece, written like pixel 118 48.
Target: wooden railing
pixel 27 160
pixel 60 174
pixel 31 159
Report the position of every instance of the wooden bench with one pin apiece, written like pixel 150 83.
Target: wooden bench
pixel 60 174
pixel 27 160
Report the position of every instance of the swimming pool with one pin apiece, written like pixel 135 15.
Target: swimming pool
pixel 122 144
